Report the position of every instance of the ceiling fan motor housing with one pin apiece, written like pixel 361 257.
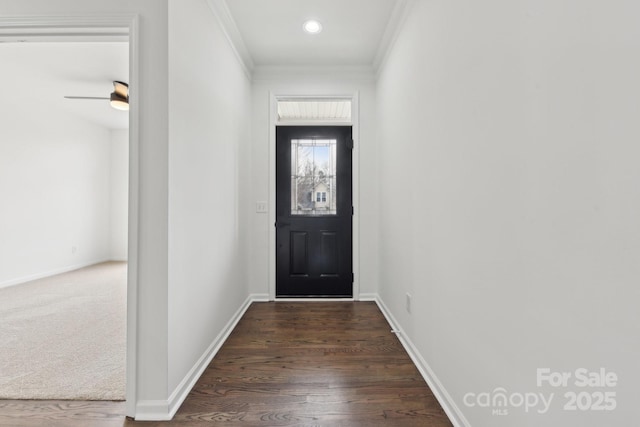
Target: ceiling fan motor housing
pixel 119 98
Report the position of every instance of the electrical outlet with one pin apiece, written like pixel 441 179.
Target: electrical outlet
pixel 261 207
pixel 408 303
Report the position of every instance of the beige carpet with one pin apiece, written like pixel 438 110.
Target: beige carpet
pixel 64 337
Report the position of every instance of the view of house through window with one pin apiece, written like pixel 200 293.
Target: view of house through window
pixel 313 177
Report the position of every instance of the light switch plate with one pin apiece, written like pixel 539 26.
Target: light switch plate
pixel 261 207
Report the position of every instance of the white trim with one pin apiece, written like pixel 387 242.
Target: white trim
pixel 260 297
pixel 271 197
pixel 105 25
pixel 230 29
pixel 31 277
pixel 152 410
pixel 368 297
pixel 313 299
pixel 396 23
pixel 452 410
pixel 274 97
pixel 355 172
pixel 109 25
pixel 134 216
pixel 164 410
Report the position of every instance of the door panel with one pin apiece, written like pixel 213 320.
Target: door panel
pixel 314 211
pixel 299 253
pixel 329 253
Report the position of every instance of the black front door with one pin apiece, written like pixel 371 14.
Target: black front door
pixel 314 211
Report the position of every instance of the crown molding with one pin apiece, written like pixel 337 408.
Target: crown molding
pixel 396 23
pixel 65 28
pixel 232 33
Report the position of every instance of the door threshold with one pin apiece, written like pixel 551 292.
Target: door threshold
pixel 314 299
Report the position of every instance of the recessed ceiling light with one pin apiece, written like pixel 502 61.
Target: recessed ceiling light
pixel 312 27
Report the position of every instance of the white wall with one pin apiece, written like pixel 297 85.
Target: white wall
pixel 209 121
pixel 119 194
pixel 54 190
pixel 509 172
pixel 312 82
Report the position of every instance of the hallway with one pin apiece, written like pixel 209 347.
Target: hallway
pixel 494 214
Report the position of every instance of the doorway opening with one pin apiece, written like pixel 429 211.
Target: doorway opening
pixel 122 147
pixel 64 179
pixel 314 209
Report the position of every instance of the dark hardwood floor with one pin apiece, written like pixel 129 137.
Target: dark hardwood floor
pixel 285 364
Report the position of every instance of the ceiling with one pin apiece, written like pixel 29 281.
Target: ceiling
pixel 37 75
pixel 271 31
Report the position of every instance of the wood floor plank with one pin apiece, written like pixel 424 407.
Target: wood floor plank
pixel 285 364
pixel 61 413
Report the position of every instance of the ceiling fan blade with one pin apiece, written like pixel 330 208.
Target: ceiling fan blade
pixel 119 98
pixel 85 97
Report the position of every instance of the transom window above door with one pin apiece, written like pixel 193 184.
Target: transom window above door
pixel 309 110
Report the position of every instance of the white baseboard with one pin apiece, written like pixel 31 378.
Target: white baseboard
pixel 259 297
pixel 164 410
pixel 153 410
pixel 53 272
pixel 368 297
pixel 444 398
